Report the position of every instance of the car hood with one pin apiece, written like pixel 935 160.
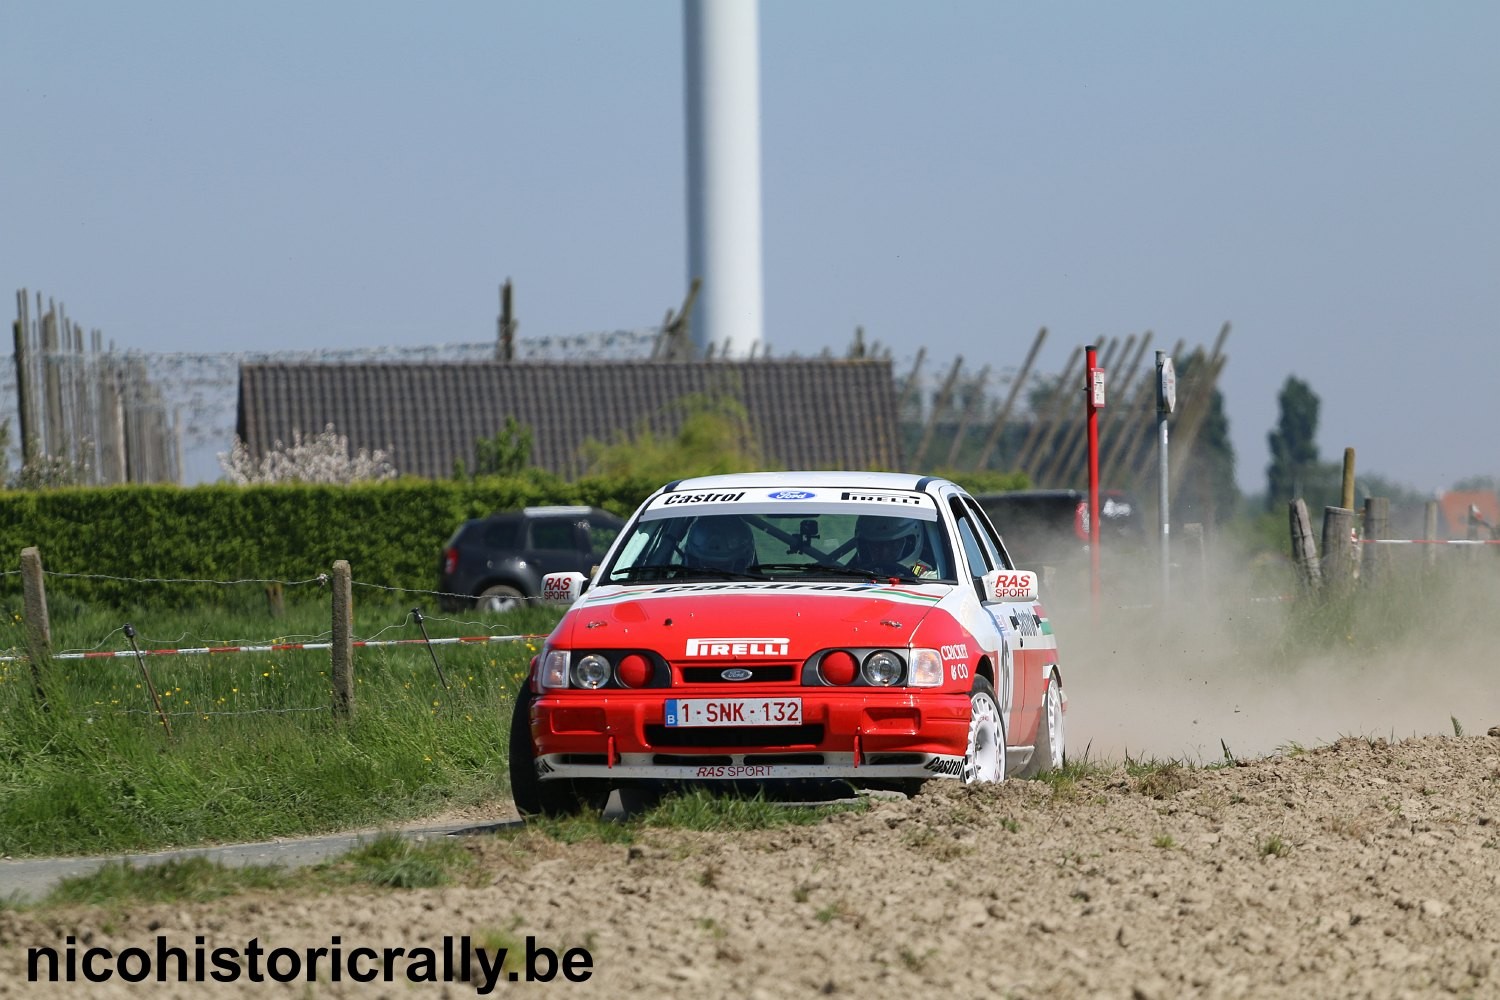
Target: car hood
pixel 747 620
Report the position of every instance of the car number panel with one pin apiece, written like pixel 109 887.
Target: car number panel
pixel 695 712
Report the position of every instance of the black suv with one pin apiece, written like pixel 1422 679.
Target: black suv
pixel 1051 527
pixel 494 562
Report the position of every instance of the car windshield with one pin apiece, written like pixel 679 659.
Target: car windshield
pixel 798 545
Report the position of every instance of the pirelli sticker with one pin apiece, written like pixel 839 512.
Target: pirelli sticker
pixel 894 499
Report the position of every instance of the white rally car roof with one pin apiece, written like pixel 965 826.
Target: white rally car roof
pixel 809 480
pixel 796 492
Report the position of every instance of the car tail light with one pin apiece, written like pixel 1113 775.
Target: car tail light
pixel 1081 521
pixel 634 670
pixel 838 667
pixel 450 560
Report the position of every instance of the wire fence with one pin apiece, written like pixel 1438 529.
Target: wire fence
pixel 209 671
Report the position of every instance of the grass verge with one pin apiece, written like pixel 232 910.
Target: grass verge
pixel 255 750
pixel 392 861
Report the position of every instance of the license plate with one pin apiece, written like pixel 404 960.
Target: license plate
pixel 734 711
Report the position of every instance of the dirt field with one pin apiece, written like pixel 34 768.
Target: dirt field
pixel 1340 863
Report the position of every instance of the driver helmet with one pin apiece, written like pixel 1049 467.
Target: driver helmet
pixel 720 542
pixel 885 540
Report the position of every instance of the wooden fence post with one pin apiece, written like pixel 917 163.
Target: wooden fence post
pixel 38 625
pixel 976 400
pixel 25 392
pixel 938 406
pixel 1304 550
pixel 1347 483
pixel 1045 426
pixel 1429 532
pixel 1374 560
pixel 1003 417
pixel 1338 551
pixel 343 640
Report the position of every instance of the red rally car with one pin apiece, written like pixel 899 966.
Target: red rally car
pixel 769 627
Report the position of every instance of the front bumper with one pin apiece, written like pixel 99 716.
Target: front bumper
pixel 865 734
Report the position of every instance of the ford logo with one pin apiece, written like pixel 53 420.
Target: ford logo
pixel 736 674
pixel 791 495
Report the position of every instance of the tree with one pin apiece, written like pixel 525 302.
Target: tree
pixel 1208 493
pixel 714 436
pixel 1294 448
pixel 323 458
pixel 505 454
pixel 1490 483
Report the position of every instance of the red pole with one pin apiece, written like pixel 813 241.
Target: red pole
pixel 1094 396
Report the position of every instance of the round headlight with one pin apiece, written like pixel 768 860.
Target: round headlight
pixel 591 671
pixel 882 668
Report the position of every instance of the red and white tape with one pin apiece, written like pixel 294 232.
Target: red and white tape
pixel 1430 541
pixel 276 647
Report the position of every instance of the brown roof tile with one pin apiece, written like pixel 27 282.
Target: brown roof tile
pixel 806 413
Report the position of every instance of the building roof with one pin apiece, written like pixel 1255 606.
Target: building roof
pixel 806 413
pixel 1455 506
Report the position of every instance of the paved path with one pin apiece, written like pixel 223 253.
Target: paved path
pixel 32 879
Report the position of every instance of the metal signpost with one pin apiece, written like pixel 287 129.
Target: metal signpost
pixel 1094 391
pixel 1166 402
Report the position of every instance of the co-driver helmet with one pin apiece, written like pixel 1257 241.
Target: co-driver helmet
pixel 887 540
pixel 720 541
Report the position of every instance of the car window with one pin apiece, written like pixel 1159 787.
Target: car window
pixel 602 534
pixel 987 535
pixel 974 552
pixel 502 535
pixel 811 543
pixel 555 534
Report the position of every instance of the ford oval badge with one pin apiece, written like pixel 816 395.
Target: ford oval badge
pixel 736 674
pixel 791 495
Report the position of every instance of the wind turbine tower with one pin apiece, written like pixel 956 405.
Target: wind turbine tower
pixel 722 82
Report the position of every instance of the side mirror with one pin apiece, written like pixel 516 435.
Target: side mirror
pixel 1010 585
pixel 563 588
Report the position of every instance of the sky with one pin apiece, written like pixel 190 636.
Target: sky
pixel 270 176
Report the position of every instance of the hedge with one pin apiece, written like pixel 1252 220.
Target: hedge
pixel 392 533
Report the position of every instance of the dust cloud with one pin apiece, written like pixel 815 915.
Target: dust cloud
pixel 1240 663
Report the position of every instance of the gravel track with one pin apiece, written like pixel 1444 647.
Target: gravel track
pixel 1360 869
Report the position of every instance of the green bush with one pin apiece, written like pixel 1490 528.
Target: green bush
pixel 390 532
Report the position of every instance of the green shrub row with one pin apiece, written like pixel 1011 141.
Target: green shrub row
pixel 391 533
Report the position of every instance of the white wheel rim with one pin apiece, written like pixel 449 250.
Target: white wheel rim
pixel 1054 725
pixel 983 760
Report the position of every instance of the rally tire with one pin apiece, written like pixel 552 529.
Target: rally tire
pixel 1050 750
pixel 984 754
pixel 499 598
pixel 534 797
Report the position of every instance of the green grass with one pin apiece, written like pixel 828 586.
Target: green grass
pixel 388 861
pixel 1064 780
pixel 187 880
pixel 255 750
pixel 706 809
pixel 396 862
pixel 702 809
pixel 1273 846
